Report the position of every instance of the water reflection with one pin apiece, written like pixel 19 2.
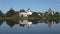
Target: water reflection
pixel 1 21
pixel 29 26
pixel 25 22
pixel 11 23
pixel 28 23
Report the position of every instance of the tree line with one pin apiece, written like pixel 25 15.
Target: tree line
pixel 14 14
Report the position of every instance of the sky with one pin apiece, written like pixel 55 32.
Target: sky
pixel 34 5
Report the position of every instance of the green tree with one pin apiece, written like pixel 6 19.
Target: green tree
pixel 10 13
pixel 1 14
pixel 22 10
pixel 56 12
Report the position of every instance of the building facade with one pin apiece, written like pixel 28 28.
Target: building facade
pixel 25 14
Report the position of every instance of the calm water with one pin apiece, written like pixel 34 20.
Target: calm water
pixel 29 27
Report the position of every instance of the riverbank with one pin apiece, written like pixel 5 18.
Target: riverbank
pixel 30 18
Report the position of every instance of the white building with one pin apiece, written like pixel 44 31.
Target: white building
pixel 50 11
pixel 29 12
pixel 25 14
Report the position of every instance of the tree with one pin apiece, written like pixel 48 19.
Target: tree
pixel 22 10
pixel 35 13
pixel 56 12
pixel 10 13
pixel 1 14
pixel 46 12
pixel 16 14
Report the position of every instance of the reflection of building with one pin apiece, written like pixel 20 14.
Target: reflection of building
pixel 25 22
pixel 50 24
pixel 29 24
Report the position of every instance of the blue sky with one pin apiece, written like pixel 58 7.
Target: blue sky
pixel 35 5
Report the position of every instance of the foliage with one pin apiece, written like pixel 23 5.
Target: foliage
pixel 10 13
pixel 22 10
pixel 1 14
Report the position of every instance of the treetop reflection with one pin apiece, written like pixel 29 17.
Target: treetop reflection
pixel 28 22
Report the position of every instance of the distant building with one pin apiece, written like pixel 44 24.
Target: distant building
pixel 25 13
pixel 50 23
pixel 39 13
pixel 50 11
pixel 29 12
pixel 42 13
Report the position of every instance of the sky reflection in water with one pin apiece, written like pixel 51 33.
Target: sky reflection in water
pixel 29 27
